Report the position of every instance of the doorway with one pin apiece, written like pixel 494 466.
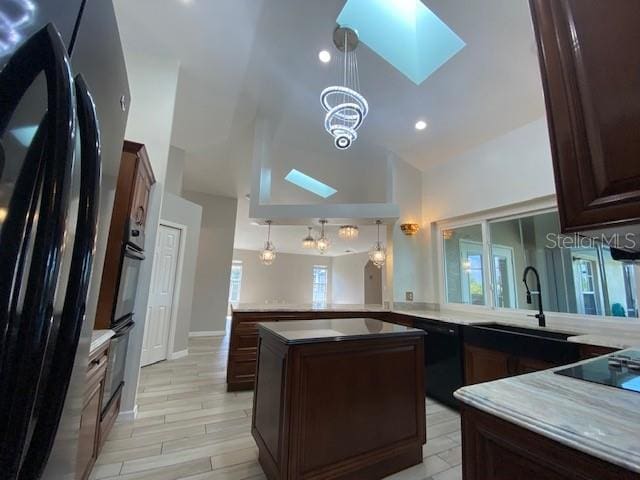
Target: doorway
pixel 372 284
pixel 160 321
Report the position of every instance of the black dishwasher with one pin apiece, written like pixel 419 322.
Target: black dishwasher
pixel 442 360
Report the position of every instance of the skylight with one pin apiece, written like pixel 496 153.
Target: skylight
pixel 405 33
pixel 309 183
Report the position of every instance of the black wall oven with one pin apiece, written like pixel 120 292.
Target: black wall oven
pixel 128 283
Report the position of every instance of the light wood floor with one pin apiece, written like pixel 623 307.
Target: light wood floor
pixel 189 428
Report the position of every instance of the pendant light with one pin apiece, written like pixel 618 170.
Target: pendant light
pixel 323 243
pixel 309 241
pixel 348 232
pixel 378 252
pixel 346 108
pixel 268 253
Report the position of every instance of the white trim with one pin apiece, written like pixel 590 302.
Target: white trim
pixel 179 354
pixel 128 416
pixel 212 333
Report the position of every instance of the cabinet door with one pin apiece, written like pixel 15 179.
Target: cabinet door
pixel 522 365
pixel 590 62
pixel 484 365
pixel 87 440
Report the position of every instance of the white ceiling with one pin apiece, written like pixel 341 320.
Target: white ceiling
pixel 239 57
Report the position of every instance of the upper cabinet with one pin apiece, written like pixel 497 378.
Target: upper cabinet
pixel 590 64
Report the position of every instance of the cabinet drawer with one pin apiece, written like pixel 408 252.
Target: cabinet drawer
pixel 242 367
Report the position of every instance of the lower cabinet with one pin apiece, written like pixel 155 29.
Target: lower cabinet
pixel 484 364
pixel 494 449
pixel 89 435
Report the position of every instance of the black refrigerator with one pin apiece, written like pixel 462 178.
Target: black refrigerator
pixel 64 100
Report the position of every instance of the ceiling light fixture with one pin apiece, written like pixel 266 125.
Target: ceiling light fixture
pixel 346 108
pixel 268 253
pixel 421 125
pixel 348 232
pixel 309 241
pixel 324 56
pixel 378 252
pixel 323 243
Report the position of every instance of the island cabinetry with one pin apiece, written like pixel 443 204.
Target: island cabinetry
pixel 339 408
pixel 494 449
pixel 243 343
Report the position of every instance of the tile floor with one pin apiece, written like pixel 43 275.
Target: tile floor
pixel 189 428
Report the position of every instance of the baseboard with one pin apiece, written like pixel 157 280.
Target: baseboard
pixel 128 416
pixel 212 333
pixel 178 354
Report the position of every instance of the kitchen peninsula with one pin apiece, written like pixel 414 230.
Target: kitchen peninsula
pixel 338 398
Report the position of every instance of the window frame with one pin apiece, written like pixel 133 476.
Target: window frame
pixel 235 263
pixel 314 283
pixel 484 219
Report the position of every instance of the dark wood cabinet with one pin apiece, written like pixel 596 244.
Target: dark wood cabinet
pixel 243 343
pixel 590 62
pixel 128 218
pixel 348 409
pixel 494 449
pixel 89 434
pixel 592 351
pixel 485 365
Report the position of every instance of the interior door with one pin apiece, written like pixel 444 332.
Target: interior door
pixel 163 282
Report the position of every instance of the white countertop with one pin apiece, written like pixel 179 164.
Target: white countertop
pixel 99 338
pixel 596 419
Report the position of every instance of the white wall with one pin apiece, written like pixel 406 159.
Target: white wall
pixel 180 211
pixel 347 278
pixel 150 122
pixel 215 253
pixel 406 262
pixel 175 170
pixel 513 168
pixel 288 280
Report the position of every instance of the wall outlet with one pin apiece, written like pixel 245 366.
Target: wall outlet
pixel 408 296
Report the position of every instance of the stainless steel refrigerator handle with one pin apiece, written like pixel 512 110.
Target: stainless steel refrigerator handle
pixel 77 289
pixel 24 334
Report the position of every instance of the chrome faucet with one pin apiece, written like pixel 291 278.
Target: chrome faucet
pixel 540 315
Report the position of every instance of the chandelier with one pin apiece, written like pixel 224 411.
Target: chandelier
pixel 348 232
pixel 323 243
pixel 309 241
pixel 378 252
pixel 268 253
pixel 346 108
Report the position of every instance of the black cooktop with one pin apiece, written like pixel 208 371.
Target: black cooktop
pixel 617 370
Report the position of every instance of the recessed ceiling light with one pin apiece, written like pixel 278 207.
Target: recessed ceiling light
pixel 421 125
pixel 324 56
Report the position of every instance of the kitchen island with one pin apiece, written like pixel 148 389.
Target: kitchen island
pixel 338 398
pixel 548 426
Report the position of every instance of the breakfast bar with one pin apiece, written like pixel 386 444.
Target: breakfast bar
pixel 338 398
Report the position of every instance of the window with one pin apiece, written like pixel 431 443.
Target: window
pixel 463 265
pixel 234 284
pixel 320 275
pixel 576 275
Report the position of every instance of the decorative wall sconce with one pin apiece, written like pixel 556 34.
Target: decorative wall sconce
pixel 410 229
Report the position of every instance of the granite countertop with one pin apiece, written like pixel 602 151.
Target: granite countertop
pixel 306 307
pixel 591 331
pixel 99 338
pixel 314 331
pixel 596 419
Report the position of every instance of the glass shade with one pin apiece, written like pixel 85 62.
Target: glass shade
pixel 268 254
pixel 348 232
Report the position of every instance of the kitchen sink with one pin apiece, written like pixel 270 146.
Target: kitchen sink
pixel 535 332
pixel 535 343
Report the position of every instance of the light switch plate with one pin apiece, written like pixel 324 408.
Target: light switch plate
pixel 408 296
